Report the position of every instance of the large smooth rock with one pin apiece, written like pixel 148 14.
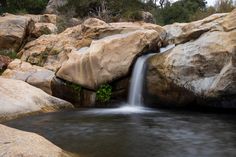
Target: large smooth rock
pixel 16 143
pixel 203 68
pixel 19 98
pixel 34 75
pixel 14 30
pixel 178 33
pixel 50 51
pixel 107 59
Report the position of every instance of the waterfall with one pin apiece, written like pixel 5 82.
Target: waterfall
pixel 137 80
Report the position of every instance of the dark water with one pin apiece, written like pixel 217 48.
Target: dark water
pixel 111 133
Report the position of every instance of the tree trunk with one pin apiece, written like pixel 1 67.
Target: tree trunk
pixel 3 3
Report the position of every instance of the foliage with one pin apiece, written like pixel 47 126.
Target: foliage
pixel 223 6
pixel 106 9
pixel 9 53
pixel 74 86
pixel 164 11
pixel 182 10
pixel 23 6
pixel 201 14
pixel 1 71
pixel 104 93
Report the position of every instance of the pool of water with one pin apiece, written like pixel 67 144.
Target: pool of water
pixel 132 132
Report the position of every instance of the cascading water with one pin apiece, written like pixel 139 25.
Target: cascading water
pixel 136 85
pixel 137 80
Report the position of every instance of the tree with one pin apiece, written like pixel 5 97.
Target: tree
pixel 223 6
pixel 29 6
pixel 182 10
pixel 3 3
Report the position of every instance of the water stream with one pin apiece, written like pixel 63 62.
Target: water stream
pixel 135 99
pixel 137 80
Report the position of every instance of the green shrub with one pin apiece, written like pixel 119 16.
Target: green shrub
pixel 74 86
pixel 103 94
pixel 26 6
pixel 1 71
pixel 11 54
pixel 134 15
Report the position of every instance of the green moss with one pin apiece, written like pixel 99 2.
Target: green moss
pixel 9 53
pixel 104 93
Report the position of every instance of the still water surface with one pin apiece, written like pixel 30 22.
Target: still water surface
pixel 129 132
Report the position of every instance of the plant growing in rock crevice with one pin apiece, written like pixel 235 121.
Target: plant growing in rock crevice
pixel 73 86
pixel 9 53
pixel 104 93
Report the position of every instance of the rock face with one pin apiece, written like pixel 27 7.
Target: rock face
pixel 201 69
pixel 86 50
pixel 106 59
pixel 44 24
pixel 15 143
pixel 19 98
pixel 34 75
pixel 183 32
pixel 14 30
